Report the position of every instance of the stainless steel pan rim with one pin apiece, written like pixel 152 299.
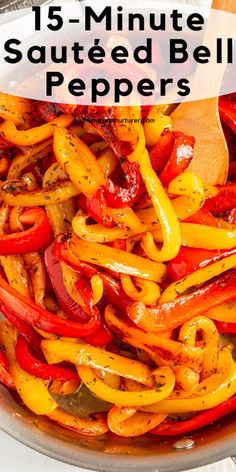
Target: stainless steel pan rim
pixel 20 425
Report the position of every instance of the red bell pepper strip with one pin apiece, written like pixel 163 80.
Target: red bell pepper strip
pixel 103 120
pixel 72 309
pixel 5 376
pixel 190 259
pixel 119 197
pixel 96 208
pixel 224 327
pixel 30 240
pixel 227 109
pixel 232 217
pixel 224 200
pixel 174 428
pixel 203 217
pixel 180 158
pixel 232 171
pixel 160 153
pixel 25 329
pixel 21 306
pixel 113 289
pixel 173 314
pixel 101 337
pixel 28 362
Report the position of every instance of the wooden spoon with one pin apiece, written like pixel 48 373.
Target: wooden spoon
pixel 201 119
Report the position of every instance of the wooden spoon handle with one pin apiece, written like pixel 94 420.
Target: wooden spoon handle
pixel 225 5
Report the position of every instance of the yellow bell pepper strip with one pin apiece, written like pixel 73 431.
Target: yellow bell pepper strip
pixel 34 264
pixel 32 155
pixel 116 260
pixel 5 164
pixel 97 288
pixel 149 294
pixel 34 135
pixel 155 124
pixel 96 358
pixel 88 427
pixel 190 186
pixel 17 109
pixel 97 232
pixel 32 390
pixel 165 214
pixel 210 338
pixel 152 343
pixel 124 131
pixel 14 193
pixel 173 314
pixel 127 219
pixel 107 161
pixel 16 274
pixel 61 214
pixel 164 386
pixel 186 378
pixel 225 313
pixel 223 389
pixel 203 237
pixel 174 428
pixel 196 278
pixel 128 422
pixel 78 161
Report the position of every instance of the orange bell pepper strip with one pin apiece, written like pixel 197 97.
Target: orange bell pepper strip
pixel 172 314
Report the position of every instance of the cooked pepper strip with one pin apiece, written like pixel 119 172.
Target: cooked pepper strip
pixel 72 309
pixel 174 428
pixel 227 109
pixel 116 259
pixel 5 376
pixel 128 422
pixel 97 232
pixel 119 197
pixel 88 427
pixel 224 200
pixel 33 239
pixel 32 155
pixel 190 259
pixel 113 289
pixel 32 390
pixel 78 161
pixel 203 237
pixel 164 211
pixel 198 277
pixel 224 327
pixel 180 158
pixel 29 363
pixel 17 109
pixel 173 314
pixel 160 153
pixel 82 354
pixel 40 318
pixel 33 135
pixel 14 193
pixel 206 395
pixel 165 383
